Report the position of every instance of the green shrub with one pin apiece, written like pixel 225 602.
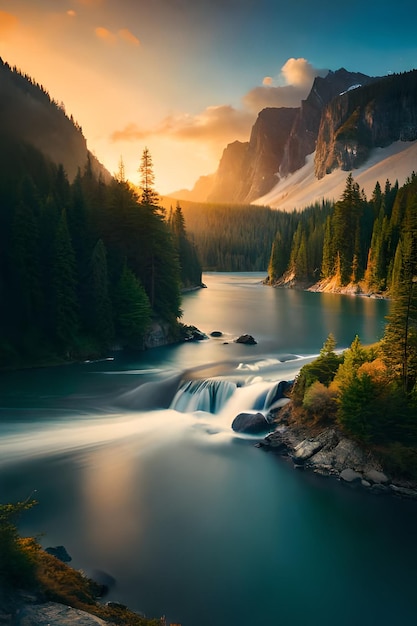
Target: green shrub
pixel 17 565
pixel 321 402
pixel 322 369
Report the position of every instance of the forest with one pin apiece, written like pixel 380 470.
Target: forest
pixel 355 246
pixel 85 265
pixel 356 243
pixel 234 237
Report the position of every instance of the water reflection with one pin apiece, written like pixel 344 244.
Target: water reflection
pixel 191 519
pixel 107 488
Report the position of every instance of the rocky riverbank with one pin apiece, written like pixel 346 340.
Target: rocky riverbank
pixel 327 285
pixel 329 452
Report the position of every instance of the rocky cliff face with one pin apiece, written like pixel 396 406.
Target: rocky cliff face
pixel 249 170
pixel 281 139
pixel 228 182
pixel 303 135
pixel 360 119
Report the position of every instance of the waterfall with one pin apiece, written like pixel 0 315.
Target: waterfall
pixel 208 395
pixel 213 395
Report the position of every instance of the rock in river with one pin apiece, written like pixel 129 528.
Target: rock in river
pixel 247 339
pixel 250 423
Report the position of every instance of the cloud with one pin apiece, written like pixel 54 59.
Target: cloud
pixel 222 122
pixel 125 34
pixel 298 74
pixel 216 125
pixel 71 13
pixel 219 125
pixel 131 132
pixel 8 22
pixel 106 35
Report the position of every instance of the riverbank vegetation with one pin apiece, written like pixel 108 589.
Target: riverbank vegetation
pixel 370 393
pixel 26 567
pixel 356 246
pixel 84 265
pixel 353 245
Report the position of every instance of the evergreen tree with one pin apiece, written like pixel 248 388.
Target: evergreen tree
pixel 328 261
pixel 147 180
pixel 132 309
pixel 346 225
pixel 65 307
pixel 353 358
pixel 400 338
pixel 98 303
pixel 190 267
pixel 26 268
pixel 278 259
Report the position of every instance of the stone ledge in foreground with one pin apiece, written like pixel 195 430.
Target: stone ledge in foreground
pixel 330 453
pixel 55 614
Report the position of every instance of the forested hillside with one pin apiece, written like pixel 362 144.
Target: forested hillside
pixel 356 245
pixel 31 115
pixel 83 265
pixel 234 237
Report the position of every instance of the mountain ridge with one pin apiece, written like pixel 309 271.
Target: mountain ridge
pixel 342 125
pixel 28 113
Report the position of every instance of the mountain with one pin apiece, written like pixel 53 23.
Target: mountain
pixel 27 113
pixel 359 120
pixel 301 189
pixel 348 121
pixel 247 170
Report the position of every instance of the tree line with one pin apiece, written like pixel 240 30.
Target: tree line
pixel 85 265
pixel 353 242
pixel 234 237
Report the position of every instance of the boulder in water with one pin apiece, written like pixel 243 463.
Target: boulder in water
pixel 250 423
pixel 191 333
pixel 216 333
pixel 246 339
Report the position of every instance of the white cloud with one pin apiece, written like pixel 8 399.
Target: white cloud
pixel 216 125
pixel 219 125
pixel 296 74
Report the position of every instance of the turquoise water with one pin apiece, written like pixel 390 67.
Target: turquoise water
pixel 192 520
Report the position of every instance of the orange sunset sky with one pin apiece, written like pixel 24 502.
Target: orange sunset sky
pixel 183 77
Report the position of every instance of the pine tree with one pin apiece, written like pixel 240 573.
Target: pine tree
pixel 328 260
pixel 190 266
pixel 346 231
pixel 98 305
pixel 147 180
pixel 400 337
pixel 65 305
pixel 278 260
pixel 132 309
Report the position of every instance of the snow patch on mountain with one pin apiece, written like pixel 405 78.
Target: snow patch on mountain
pixel 351 89
pixel 301 189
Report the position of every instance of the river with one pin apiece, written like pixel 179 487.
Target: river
pixel 192 520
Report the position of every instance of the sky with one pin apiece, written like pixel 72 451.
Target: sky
pixel 184 78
